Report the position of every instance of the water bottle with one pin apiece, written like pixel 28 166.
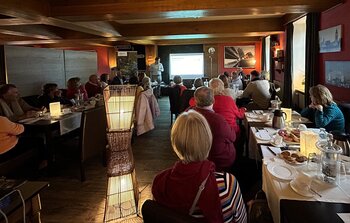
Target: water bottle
pixel 206 83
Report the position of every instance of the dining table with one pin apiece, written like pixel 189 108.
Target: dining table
pixel 278 182
pixel 261 121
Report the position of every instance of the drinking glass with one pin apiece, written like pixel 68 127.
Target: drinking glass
pixel 312 161
pixel 342 171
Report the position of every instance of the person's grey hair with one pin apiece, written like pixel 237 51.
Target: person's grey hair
pixel 177 79
pixel 198 82
pixel 146 83
pixel 217 85
pixel 204 96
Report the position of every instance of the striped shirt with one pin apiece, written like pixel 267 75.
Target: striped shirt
pixel 232 204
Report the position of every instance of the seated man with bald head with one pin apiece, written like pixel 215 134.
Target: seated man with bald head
pixel 223 151
pixel 93 86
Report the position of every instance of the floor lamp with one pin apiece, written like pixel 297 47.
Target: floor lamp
pixel 122 190
pixel 211 52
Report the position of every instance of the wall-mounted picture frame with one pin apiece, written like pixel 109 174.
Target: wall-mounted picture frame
pixel 330 39
pixel 239 56
pixel 338 73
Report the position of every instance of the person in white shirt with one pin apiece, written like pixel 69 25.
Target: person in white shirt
pixel 259 91
pixel 156 70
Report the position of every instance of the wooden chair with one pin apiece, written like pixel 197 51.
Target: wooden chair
pixel 185 99
pixel 92 141
pixel 174 98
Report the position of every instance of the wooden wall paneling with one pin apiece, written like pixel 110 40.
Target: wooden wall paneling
pixel 30 68
pixel 210 67
pixel 80 64
pixel 2 65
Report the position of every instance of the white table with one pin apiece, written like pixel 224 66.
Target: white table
pixel 276 189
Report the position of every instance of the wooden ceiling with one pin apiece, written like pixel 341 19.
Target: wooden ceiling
pixel 77 23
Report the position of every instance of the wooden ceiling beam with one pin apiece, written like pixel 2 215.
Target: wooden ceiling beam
pixel 39 13
pixel 77 42
pixel 75 10
pixel 209 41
pixel 17 22
pixel 28 34
pixel 208 27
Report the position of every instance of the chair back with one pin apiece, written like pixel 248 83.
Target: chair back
pixel 185 99
pixel 93 133
pixel 153 212
pixel 174 98
pixel 345 108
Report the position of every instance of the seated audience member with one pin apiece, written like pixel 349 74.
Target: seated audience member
pixel 198 82
pixel 140 77
pixel 51 93
pixel 147 108
pixel 236 80
pixel 134 79
pixel 227 90
pixel 259 91
pixel 13 106
pixel 118 78
pixel 176 188
pixel 93 86
pixel 139 89
pixel 323 111
pixel 178 83
pixel 104 79
pixel 222 152
pixel 12 145
pixel 225 105
pixel 9 132
pixel 75 88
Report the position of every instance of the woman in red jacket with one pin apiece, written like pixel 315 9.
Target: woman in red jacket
pixel 178 187
pixel 225 105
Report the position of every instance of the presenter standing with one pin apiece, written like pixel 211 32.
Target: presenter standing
pixel 156 70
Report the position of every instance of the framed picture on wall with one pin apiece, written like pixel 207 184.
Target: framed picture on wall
pixel 330 39
pixel 338 73
pixel 239 56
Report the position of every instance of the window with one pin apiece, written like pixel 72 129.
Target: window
pixel 267 57
pixel 298 55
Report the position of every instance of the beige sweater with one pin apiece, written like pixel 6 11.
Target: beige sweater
pixel 8 134
pixel 258 91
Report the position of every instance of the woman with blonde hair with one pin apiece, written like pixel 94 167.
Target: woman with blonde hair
pixel 227 90
pixel 323 110
pixel 225 105
pixel 177 188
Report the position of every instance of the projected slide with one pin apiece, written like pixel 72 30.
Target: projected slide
pixel 187 65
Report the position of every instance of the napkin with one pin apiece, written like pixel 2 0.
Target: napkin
pixel 263 135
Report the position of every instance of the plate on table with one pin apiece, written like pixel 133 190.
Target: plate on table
pixel 281 171
pixel 293 157
pixel 303 192
pixel 272 142
pixel 251 115
pixel 290 137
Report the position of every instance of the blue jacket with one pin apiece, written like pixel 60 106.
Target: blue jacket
pixel 331 118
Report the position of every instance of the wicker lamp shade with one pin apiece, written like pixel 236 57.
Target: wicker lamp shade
pixel 122 191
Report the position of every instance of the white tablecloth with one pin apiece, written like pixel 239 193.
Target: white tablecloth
pixel 276 189
pixel 69 122
pixel 253 143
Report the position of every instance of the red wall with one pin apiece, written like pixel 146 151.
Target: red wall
pixel 337 16
pixel 246 71
pixel 102 60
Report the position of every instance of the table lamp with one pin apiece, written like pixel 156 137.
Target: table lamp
pixel 55 109
pixel 122 190
pixel 308 140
